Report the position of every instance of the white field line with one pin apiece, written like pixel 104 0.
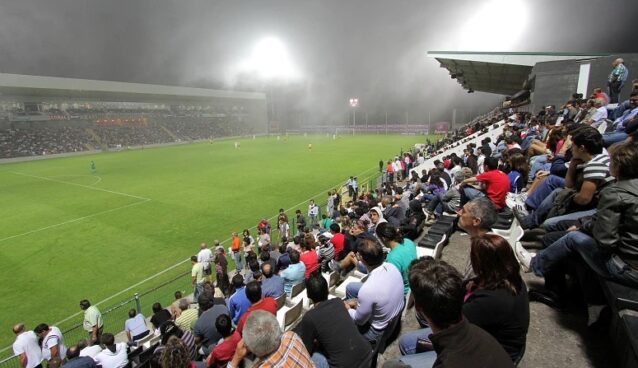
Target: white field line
pixel 81 185
pixel 187 259
pixel 73 220
pixel 99 179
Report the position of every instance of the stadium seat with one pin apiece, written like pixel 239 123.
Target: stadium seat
pixel 620 296
pixel 432 246
pixel 134 355
pixel 288 316
pixel 340 291
pixel 281 301
pixel 627 350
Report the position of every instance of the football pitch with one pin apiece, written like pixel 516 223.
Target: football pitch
pixel 69 233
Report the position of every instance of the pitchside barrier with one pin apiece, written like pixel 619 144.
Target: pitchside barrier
pixel 141 296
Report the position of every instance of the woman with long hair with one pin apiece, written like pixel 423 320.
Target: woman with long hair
pixel 495 299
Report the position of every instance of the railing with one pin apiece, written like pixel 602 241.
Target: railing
pixel 116 314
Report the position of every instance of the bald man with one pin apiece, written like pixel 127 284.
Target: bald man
pixel 26 347
pixel 271 284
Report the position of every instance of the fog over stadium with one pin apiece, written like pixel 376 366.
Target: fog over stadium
pixel 374 50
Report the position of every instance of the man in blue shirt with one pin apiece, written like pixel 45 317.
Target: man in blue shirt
pixel 238 303
pixel 294 274
pixel 271 285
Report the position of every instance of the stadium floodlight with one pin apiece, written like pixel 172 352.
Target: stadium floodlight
pixel 354 102
pixel 270 61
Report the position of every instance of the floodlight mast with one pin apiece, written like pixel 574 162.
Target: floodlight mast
pixel 354 103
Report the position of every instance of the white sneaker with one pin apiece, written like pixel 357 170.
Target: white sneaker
pixel 524 257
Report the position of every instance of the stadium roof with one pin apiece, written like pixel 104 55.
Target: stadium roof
pixel 503 73
pixel 36 88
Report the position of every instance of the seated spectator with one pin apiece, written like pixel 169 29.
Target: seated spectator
pixel 238 303
pixel 253 267
pixel 284 259
pixel 253 293
pixel 223 352
pixel 53 348
pixel 402 250
pixel 328 332
pixel 272 348
pixel 272 285
pixel 114 355
pixel 337 241
pixel 438 294
pixel 187 317
pixel 494 183
pixel 605 242
pixel 204 329
pixel 618 134
pixel 448 201
pixel 74 360
pixel 265 257
pixel 496 298
pixel 135 326
pixel 160 315
pixel 588 172
pixel 89 350
pixel 168 330
pixel 372 311
pixel 518 172
pixel 175 355
pixel 325 251
pixel 295 273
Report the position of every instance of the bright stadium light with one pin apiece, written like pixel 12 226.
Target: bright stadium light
pixel 269 61
pixel 494 25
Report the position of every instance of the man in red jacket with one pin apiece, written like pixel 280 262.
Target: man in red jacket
pixel 253 293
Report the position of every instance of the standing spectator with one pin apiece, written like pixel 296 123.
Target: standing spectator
pixel 355 187
pixel 221 269
pixel 197 274
pixel 26 347
pixel 53 348
pixel 114 355
pixel 617 79
pixel 93 323
pixel 272 348
pixel 235 251
pixel 205 257
pixel 330 205
pixel 313 213
pixel 160 315
pixel 135 326
pixel 263 241
pixel 282 215
pixel 284 231
pixel 351 187
pixel 249 241
pixel 238 303
pixel 301 222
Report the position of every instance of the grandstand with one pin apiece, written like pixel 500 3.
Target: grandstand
pixel 556 334
pixel 46 115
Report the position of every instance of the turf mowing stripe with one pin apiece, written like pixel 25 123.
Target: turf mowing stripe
pixel 81 185
pixel 74 220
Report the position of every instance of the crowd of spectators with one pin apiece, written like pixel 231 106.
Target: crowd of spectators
pixel 24 139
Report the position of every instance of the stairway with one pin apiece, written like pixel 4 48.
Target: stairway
pixel 175 138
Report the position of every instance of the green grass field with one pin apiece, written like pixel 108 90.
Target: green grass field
pixel 69 234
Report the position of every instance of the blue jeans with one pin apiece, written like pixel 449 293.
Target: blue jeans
pixel 544 260
pixel 237 259
pixel 552 224
pixel 537 163
pixel 607 265
pixel 198 290
pixel 407 346
pixel 436 204
pixel 543 190
pixel 352 289
pixel 320 360
pixel 615 137
pixel 533 219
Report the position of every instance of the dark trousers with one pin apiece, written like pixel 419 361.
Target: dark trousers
pixel 614 90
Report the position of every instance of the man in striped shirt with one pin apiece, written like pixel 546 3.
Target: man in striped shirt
pixel 587 174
